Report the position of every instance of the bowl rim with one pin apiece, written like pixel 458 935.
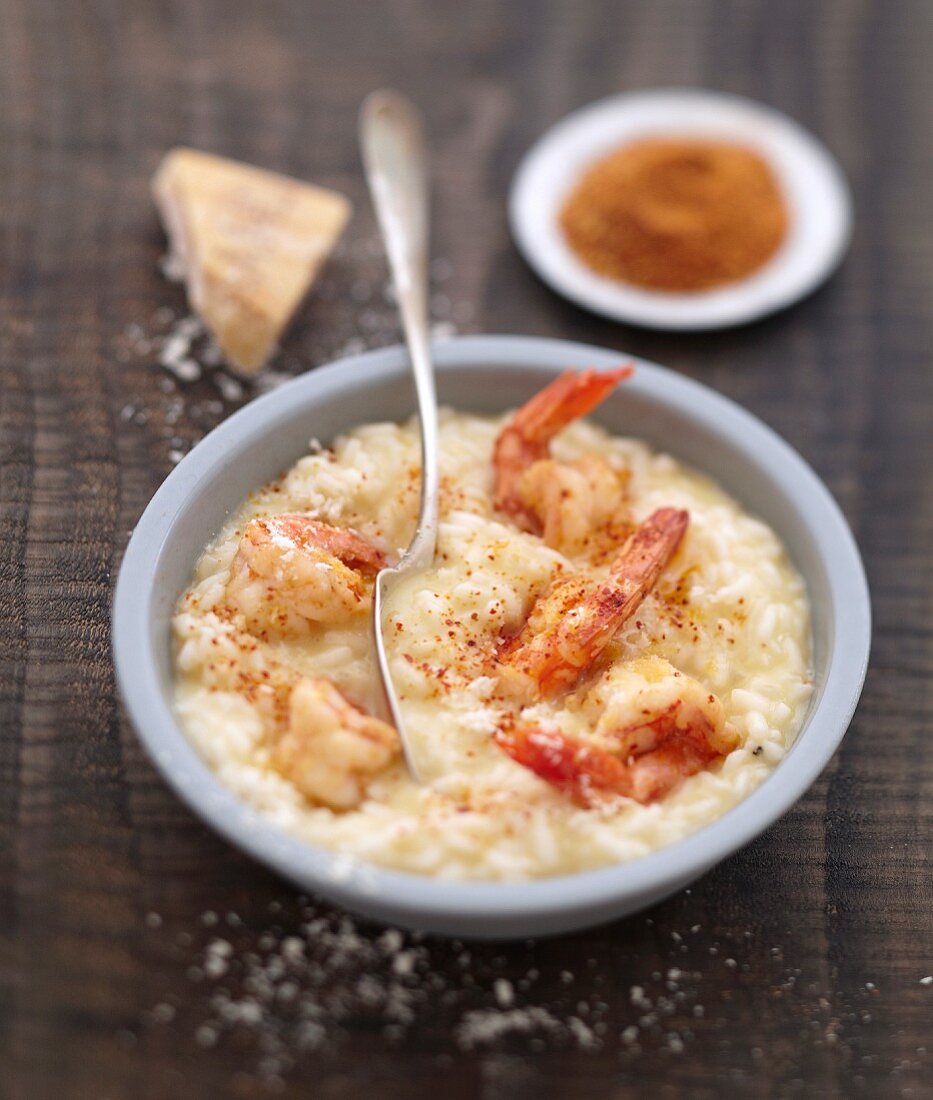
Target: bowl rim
pixel 362 886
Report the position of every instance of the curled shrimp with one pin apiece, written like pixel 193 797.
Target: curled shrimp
pixel 666 729
pixel 292 570
pixel 330 749
pixel 580 504
pixel 573 622
pixel 526 438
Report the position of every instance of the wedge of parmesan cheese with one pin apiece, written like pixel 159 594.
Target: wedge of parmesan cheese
pixel 248 243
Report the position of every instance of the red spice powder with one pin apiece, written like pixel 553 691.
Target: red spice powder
pixel 676 215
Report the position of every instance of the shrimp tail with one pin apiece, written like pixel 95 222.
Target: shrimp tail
pixel 567 763
pixel 527 436
pixel 648 550
pixel 571 625
pixel 647 761
pixel 570 396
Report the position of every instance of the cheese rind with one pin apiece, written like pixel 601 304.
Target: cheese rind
pixel 250 244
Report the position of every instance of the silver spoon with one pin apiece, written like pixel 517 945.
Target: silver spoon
pixel 395 161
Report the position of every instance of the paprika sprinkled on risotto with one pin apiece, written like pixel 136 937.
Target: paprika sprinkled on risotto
pixel 676 215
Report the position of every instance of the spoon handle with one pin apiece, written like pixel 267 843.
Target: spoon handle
pixel 395 160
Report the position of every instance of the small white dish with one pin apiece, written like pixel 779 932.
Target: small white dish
pixel 487 374
pixel 815 189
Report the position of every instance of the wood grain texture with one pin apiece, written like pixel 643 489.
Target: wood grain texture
pixel 827 916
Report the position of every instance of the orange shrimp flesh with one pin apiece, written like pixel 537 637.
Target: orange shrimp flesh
pixel 291 571
pixel 645 762
pixel 527 436
pixel 331 749
pixel 571 625
pixel 571 765
pixel 294 530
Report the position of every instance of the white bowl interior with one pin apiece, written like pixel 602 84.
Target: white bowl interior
pixel 489 375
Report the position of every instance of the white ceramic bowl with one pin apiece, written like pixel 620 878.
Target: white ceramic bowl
pixel 814 187
pixel 487 374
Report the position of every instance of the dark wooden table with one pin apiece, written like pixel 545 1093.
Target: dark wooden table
pixel 797 964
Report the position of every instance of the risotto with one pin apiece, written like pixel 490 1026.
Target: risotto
pixel 607 655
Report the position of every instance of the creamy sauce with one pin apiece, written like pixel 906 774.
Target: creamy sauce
pixel 730 611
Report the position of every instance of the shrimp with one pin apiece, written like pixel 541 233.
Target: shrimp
pixel 573 622
pixel 526 439
pixel 330 750
pixel 659 728
pixel 579 504
pixel 292 570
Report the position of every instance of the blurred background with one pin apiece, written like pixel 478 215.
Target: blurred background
pixel 806 951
